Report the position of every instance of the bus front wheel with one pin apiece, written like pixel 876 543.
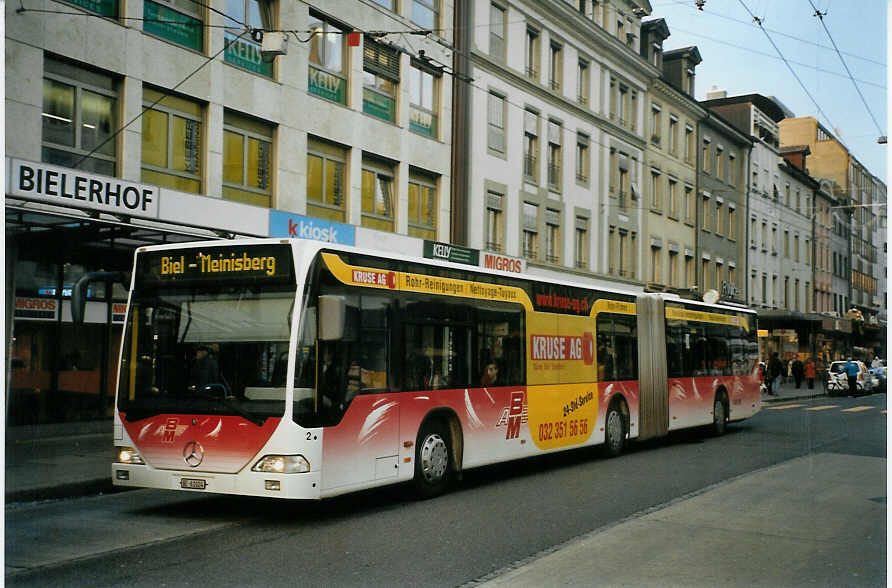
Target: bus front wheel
pixel 431 459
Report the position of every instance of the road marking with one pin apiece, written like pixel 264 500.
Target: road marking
pixel 782 407
pixel 858 408
pixel 824 407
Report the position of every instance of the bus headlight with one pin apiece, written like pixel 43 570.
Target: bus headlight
pixel 282 464
pixel 130 456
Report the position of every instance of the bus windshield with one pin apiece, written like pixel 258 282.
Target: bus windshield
pixel 206 349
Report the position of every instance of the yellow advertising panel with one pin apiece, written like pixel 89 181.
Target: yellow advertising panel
pixel 561 415
pixel 706 317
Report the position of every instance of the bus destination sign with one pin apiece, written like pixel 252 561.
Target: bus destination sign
pixel 224 264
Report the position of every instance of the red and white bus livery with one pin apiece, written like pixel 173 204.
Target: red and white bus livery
pixel 297 369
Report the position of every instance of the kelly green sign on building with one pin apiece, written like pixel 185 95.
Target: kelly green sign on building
pixel 378 105
pixel 103 7
pixel 245 53
pixel 453 253
pixel 328 86
pixel 174 26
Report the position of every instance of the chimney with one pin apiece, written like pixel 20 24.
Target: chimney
pixel 715 92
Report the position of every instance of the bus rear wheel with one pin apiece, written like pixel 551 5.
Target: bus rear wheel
pixel 719 416
pixel 431 459
pixel 614 431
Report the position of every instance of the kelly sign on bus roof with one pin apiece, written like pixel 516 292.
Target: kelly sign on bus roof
pixel 224 264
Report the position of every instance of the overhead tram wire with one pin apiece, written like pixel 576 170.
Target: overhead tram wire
pixel 164 94
pixel 776 32
pixel 820 16
pixel 758 21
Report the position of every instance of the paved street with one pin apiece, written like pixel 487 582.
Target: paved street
pixel 795 496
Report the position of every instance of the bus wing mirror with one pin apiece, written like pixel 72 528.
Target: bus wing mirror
pixel 332 313
pixel 79 292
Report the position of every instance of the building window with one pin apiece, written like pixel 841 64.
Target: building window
pixel 171 142
pixel 243 51
pixel 719 217
pixel 613 171
pixel 764 289
pixel 764 237
pixel 496 31
pixel 795 247
pixel 177 21
pixel 380 78
pixel 556 67
pixel 80 112
pixel 753 232
pixel 613 98
pixel 495 222
pixel 530 145
pixel 425 13
pixel 552 236
pixel 774 240
pixel 424 88
pixel 787 244
pixel 656 264
pixel 582 82
pixel 707 213
pixel 422 206
pixel 247 160
pixel 732 223
pixel 611 251
pixel 672 268
pixel 688 144
pixel 582 158
pixel 689 270
pixel 732 169
pixel 622 105
pixel 530 224
pixel 388 4
pixel 656 127
pixel 555 132
pixel 495 119
pixel 327 77
pixel 706 154
pixel 377 195
pixel 719 164
pixel 656 196
pixel 704 274
pixel 673 198
pixel 532 54
pixel 689 209
pixel 581 242
pixel 673 135
pixel 326 180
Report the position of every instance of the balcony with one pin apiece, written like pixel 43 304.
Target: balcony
pixel 555 85
pixel 552 258
pixel 532 72
pixel 494 246
pixel 583 100
pixel 530 252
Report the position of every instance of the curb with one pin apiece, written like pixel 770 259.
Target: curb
pixel 775 399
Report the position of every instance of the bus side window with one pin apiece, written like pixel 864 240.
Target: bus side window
pixel 625 340
pixel 605 351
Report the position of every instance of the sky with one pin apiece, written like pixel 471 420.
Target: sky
pixel 739 57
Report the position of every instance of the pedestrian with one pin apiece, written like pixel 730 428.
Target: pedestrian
pixel 798 370
pixel 877 362
pixel 851 369
pixel 810 373
pixel 775 373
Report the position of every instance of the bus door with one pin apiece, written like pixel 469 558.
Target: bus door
pixel 653 384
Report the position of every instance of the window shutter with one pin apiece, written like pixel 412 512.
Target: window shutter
pixel 381 60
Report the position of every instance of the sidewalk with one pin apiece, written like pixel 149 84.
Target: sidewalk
pixel 74 459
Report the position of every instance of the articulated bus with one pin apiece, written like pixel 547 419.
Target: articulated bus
pixel 301 369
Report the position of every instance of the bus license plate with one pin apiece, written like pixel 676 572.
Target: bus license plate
pixel 193 483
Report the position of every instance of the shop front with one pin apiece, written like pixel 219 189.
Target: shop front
pixel 61 223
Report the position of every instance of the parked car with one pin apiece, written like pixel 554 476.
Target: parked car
pixel 879 378
pixel 838 383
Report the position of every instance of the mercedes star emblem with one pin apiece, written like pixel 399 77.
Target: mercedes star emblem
pixel 193 453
